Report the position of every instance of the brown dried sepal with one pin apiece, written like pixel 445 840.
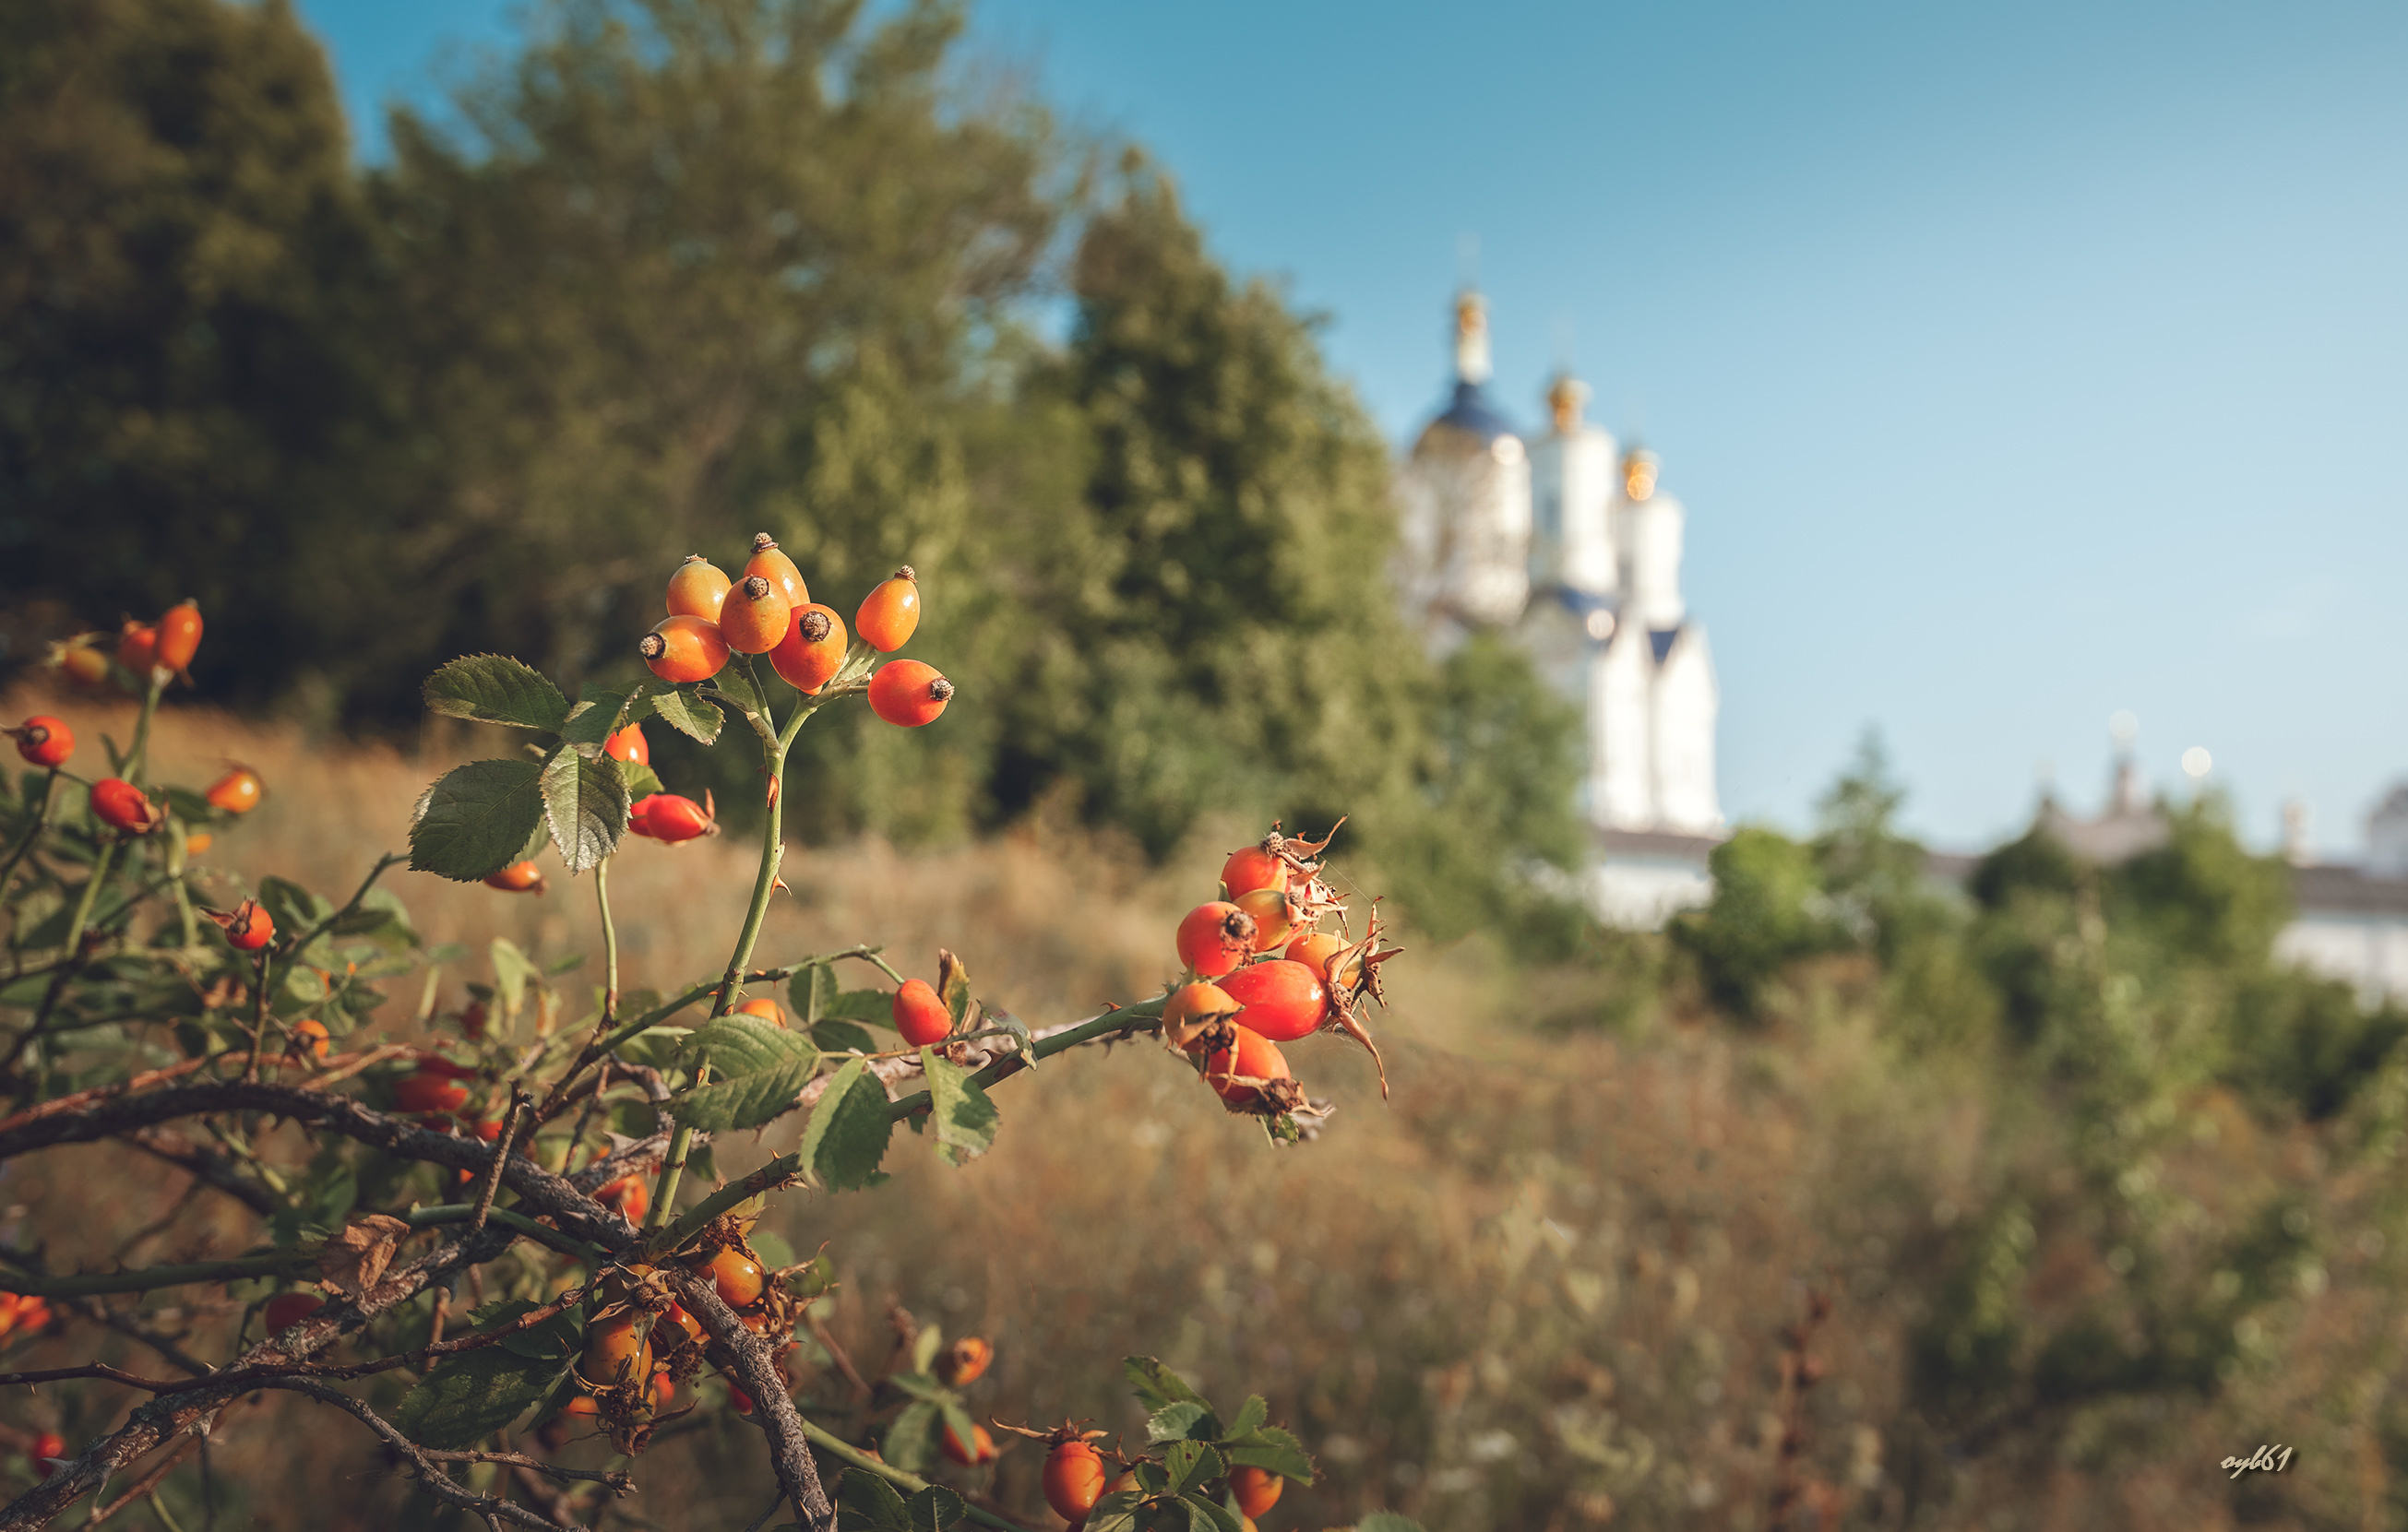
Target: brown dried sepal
pixel 1068 1431
pixel 354 1258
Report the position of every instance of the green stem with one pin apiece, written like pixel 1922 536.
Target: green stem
pixel 910 1483
pixel 177 853
pixel 90 891
pixel 610 945
pixel 135 762
pixel 765 883
pixel 33 831
pixel 1140 1017
pixel 143 1281
pixel 462 1212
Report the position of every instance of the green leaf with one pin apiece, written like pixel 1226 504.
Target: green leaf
pixel 381 918
pixel 960 1114
pixel 846 1137
pixel 687 713
pixel 1021 1036
pixel 1273 1449
pixel 816 998
pixel 1250 1417
pixel 737 688
pixel 477 819
pixel 292 908
pixel 843 1038
pixel 910 1437
pixel 492 689
pixel 1115 1513
pixel 1156 1385
pixel 953 982
pixel 773 1249
pixel 1190 1420
pixel 867 1503
pixel 642 781
pixel 512 968
pixel 591 723
pixel 471 1395
pixel 1190 1463
pixel 1208 1512
pixel 565 963
pixel 934 1510
pixel 1387 1521
pixel 758 1068
pixel 585 802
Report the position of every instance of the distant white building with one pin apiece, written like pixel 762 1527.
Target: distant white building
pixel 2353 921
pixel 2348 922
pixel 1567 544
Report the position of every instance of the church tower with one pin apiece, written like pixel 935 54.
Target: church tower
pixel 1464 495
pixel 1571 548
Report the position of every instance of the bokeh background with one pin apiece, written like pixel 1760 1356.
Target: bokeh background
pixel 2098 1193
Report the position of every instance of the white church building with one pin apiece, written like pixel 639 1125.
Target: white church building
pixel 1568 543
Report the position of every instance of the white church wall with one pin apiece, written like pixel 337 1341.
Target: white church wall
pixel 1685 706
pixel 2367 951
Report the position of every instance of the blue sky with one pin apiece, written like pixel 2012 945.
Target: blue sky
pixel 2018 365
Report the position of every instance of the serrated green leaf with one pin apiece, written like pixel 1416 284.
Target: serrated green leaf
pixel 642 782
pixel 959 1112
pixel 757 1069
pixel 737 688
pixel 477 819
pixel 565 963
pixel 911 1436
pixel 1115 1513
pixel 683 711
pixel 934 1510
pixel 1190 1420
pixel 1205 1511
pixel 585 803
pixel 471 1395
pixel 493 689
pixel 867 1503
pixel 513 969
pixel 1156 1385
pixel 1270 1448
pixel 846 1137
pixel 1250 1417
pixel 1190 1463
pixel 924 1347
pixel 592 721
pixel 843 1038
pixel 1176 1515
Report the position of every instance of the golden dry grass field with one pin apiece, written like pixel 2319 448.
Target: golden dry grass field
pixel 1544 1286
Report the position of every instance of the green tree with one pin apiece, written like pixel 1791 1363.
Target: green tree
pixel 184 264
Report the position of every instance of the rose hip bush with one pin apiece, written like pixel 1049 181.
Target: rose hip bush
pixel 559 1168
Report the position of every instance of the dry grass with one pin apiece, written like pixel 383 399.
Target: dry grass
pixel 1543 1287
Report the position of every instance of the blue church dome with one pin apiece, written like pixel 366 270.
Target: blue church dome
pixel 1472 412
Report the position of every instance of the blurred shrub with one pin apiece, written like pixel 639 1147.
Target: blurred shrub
pixel 679 271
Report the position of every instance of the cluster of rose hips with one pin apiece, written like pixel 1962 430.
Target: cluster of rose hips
pixel 148 653
pixel 1261 971
pixel 640 1342
pixel 768 609
pixel 23 1315
pixel 1076 1480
